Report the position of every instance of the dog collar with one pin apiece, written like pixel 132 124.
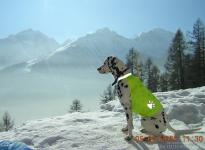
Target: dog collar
pixel 123 77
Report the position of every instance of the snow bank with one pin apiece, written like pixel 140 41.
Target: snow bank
pixel 84 131
pixel 184 105
pixel 102 130
pixel 112 106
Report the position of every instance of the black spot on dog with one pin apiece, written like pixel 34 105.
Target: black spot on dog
pixel 143 119
pixel 126 86
pixel 108 60
pixel 156 126
pixel 160 121
pixel 113 62
pixel 118 87
pixel 121 84
pixel 127 115
pixel 122 104
pixel 125 108
pixel 153 118
pixel 164 120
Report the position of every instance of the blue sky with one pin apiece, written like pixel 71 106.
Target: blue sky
pixel 63 19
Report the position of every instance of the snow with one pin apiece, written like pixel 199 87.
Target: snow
pixel 30 63
pixel 184 105
pixel 63 48
pixel 101 130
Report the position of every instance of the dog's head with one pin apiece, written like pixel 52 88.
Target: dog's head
pixel 111 65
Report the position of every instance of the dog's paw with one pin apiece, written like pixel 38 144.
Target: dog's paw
pixel 128 138
pixel 143 131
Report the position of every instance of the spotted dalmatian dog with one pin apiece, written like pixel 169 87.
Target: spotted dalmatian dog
pixel 154 125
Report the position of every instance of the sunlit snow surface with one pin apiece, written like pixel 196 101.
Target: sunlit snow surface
pixel 101 130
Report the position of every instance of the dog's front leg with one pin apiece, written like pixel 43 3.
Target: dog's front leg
pixel 129 118
pixel 124 95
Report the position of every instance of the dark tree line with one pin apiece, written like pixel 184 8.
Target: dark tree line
pixel 175 66
pixel 185 65
pixel 147 71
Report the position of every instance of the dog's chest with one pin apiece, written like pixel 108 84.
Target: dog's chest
pixel 123 91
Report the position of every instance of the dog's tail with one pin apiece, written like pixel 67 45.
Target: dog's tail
pixel 181 132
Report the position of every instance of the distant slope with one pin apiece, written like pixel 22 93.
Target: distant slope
pixel 89 51
pixel 155 44
pixel 25 45
pixel 92 49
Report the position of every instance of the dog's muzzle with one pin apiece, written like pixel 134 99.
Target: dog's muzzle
pixel 99 69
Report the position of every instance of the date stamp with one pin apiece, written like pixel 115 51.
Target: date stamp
pixel 163 138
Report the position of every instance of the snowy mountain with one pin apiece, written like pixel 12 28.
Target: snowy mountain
pixel 25 45
pixel 155 44
pixel 95 47
pixel 101 130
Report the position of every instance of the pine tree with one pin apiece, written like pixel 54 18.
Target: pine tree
pixel 153 79
pixel 108 95
pixel 132 61
pixel 198 44
pixel 76 106
pixel 7 122
pixel 141 71
pixel 175 62
pixel 189 74
pixel 147 72
pixel 163 82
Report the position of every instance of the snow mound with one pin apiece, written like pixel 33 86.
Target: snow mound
pixel 85 131
pixel 112 106
pixel 89 131
pixel 101 130
pixel 184 105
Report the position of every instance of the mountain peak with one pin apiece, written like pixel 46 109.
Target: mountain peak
pixel 25 45
pixel 30 33
pixel 156 31
pixel 105 30
pixel 160 30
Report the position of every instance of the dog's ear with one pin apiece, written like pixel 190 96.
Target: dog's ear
pixel 110 57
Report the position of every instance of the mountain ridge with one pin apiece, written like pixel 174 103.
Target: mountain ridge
pixel 95 47
pixel 25 45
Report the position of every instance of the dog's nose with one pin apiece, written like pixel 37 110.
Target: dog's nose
pixel 99 69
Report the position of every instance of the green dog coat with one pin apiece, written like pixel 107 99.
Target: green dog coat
pixel 142 100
